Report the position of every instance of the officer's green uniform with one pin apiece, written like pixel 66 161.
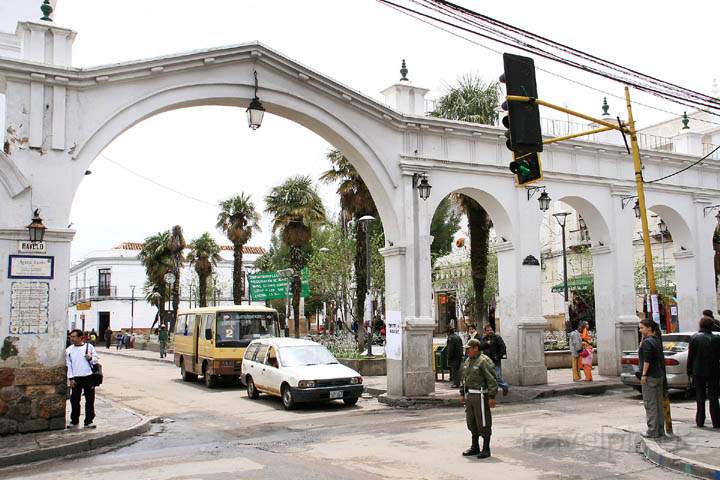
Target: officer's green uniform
pixel 479 386
pixel 163 339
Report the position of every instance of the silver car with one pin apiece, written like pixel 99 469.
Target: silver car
pixel 676 347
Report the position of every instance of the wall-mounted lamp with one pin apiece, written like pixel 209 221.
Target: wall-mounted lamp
pixel 255 111
pixel 543 199
pixel 625 201
pixel 420 181
pixel 709 209
pixel 36 227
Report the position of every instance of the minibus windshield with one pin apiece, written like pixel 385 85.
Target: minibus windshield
pixel 238 329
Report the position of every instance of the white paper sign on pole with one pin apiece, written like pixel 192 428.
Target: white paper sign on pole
pixel 393 335
pixel 655 309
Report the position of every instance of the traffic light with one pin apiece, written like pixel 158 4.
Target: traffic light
pixel 526 167
pixel 523 119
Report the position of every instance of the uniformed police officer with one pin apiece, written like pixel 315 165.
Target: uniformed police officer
pixel 478 395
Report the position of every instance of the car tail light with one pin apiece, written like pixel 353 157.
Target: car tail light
pixel 355 380
pixel 671 362
pixel 629 361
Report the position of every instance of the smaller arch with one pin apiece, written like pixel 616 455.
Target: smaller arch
pixel 496 211
pixel 677 226
pixel 594 219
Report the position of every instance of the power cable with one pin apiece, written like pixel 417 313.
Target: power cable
pixel 683 169
pixel 549 72
pixel 156 183
pixel 534 50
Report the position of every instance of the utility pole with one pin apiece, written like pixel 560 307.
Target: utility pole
pixel 649 268
pixel 132 309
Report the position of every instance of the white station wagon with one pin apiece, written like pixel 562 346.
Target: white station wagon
pixel 298 371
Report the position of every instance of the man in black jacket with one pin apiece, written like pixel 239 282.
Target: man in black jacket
pixel 496 351
pixel 715 321
pixel 704 368
pixel 454 354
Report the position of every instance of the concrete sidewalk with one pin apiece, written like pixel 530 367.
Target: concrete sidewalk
pixel 134 353
pixel 559 383
pixel 114 424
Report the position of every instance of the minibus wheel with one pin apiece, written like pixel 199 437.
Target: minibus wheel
pixel 186 376
pixel 211 381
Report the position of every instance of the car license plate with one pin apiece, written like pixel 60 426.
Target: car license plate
pixel 336 394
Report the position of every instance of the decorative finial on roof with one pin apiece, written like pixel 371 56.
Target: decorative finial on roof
pixel 404 72
pixel 605 107
pixel 47 9
pixel 685 121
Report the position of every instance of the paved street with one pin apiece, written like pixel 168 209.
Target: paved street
pixel 218 434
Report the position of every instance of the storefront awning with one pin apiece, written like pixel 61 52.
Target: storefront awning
pixel 580 283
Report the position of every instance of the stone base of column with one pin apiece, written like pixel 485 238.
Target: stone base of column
pixel 624 336
pixel 531 368
pixel 413 375
pixel 32 399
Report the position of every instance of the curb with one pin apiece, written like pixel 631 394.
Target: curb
pixel 149 359
pixel 661 457
pixel 79 446
pixel 452 401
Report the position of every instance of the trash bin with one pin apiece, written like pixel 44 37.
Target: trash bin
pixel 440 361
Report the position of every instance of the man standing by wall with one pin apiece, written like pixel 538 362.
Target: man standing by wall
pixel 79 358
pixel 652 364
pixel 478 395
pixel 454 351
pixel 704 368
pixel 496 350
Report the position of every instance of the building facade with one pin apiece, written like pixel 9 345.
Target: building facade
pixel 106 287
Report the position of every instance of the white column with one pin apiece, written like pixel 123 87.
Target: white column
pixel 705 223
pixel 687 290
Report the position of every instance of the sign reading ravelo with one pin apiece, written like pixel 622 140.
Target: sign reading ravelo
pixel 271 286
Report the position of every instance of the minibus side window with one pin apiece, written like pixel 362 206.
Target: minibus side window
pixel 180 327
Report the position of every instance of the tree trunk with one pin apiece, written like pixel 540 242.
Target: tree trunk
pixel 361 286
pixel 203 284
pixel 296 264
pixel 237 274
pixel 175 294
pixel 479 228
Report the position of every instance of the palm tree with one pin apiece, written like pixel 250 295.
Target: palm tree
pixel 157 260
pixel 296 207
pixel 473 100
pixel 237 219
pixel 203 255
pixel 355 202
pixel 176 246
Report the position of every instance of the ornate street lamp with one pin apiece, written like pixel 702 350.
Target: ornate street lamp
pixel 368 298
pixel 255 111
pixel 544 201
pixel 561 218
pixel 420 182
pixel 36 227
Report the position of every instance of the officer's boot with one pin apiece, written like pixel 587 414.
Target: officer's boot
pixel 474 448
pixel 486 448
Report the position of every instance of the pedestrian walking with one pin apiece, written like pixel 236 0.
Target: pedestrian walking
pixel 496 351
pixel 163 339
pixel 79 358
pixel 652 363
pixel 703 367
pixel 715 321
pixel 477 394
pixel 575 345
pixel 584 330
pixel 108 337
pixel 587 360
pixel 119 340
pixel 454 355
pixel 472 333
pixel 93 337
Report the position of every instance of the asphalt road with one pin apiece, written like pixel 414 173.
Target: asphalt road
pixel 221 434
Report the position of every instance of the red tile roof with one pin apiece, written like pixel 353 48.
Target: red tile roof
pixel 138 246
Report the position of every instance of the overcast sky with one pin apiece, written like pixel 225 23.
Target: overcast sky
pixel 209 152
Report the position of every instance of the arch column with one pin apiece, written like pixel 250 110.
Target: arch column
pixel 520 307
pixel 408 300
pixel 687 290
pixel 705 253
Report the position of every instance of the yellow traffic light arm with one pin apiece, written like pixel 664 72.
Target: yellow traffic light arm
pixel 575 135
pixel 610 126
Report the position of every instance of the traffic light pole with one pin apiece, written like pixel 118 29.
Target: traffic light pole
pixel 628 128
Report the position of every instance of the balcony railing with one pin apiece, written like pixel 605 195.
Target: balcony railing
pixel 85 294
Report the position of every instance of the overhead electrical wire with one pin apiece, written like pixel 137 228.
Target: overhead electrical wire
pixel 683 169
pixel 549 72
pixel 661 91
